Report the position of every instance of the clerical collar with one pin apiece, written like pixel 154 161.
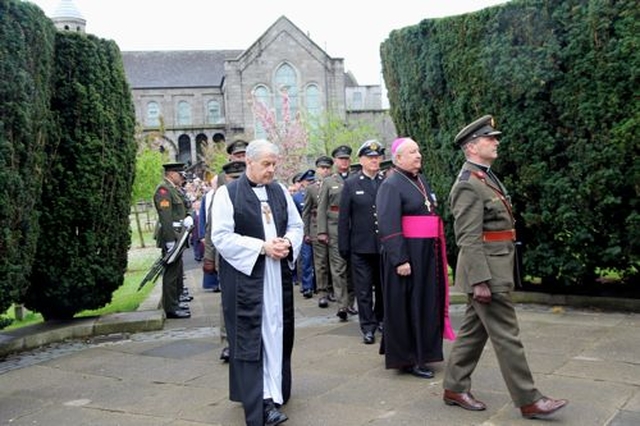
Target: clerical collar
pixel 255 185
pixel 344 175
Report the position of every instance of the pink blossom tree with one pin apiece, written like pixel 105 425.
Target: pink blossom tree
pixel 289 133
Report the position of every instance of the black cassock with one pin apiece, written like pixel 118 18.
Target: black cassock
pixel 414 305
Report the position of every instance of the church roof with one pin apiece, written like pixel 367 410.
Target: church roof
pixel 67 9
pixel 176 68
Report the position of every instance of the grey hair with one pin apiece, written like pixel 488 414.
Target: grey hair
pixel 259 147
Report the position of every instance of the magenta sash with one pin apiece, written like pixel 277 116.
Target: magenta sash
pixel 432 227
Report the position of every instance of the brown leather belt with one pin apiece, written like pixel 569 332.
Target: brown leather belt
pixel 334 208
pixel 492 236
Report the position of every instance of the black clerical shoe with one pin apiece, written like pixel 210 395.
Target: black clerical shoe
pixel 179 314
pixel 368 338
pixel 273 416
pixel 323 302
pixel 342 314
pixel 420 371
pixel 224 355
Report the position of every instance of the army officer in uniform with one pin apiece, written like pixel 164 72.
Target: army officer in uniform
pixel 173 216
pixel 485 234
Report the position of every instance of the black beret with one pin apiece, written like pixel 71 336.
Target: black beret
pixel 173 167
pixel 483 126
pixel 371 148
pixel 343 151
pixel 234 168
pixel 324 160
pixel 237 145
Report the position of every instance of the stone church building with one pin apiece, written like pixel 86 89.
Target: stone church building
pixel 189 99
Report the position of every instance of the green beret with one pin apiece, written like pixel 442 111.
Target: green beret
pixel 484 126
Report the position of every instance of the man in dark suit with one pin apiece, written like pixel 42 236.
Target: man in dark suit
pixel 358 237
pixel 485 235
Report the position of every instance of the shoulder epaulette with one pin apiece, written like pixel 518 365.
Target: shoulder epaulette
pixel 464 175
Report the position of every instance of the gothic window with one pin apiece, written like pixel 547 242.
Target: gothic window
pixel 312 100
pixel 262 98
pixel 213 112
pixel 184 113
pixel 287 82
pixel 153 114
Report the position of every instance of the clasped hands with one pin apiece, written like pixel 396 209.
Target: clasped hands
pixel 277 248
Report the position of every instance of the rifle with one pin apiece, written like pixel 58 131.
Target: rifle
pixel 168 258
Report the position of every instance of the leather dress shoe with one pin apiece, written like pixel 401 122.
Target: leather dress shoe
pixel 464 400
pixel 307 294
pixel 186 298
pixel 224 355
pixel 369 338
pixel 420 371
pixel 184 306
pixel 216 289
pixel 179 314
pixel 273 416
pixel 352 311
pixel 542 408
pixel 323 302
pixel 331 297
pixel 342 314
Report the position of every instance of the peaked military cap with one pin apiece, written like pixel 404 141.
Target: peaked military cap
pixel 343 151
pixel 308 175
pixel 324 160
pixel 236 146
pixel 483 126
pixel 371 148
pixel 234 168
pixel 174 167
pixel 297 177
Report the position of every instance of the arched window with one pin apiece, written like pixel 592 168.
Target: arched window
pixel 184 149
pixel 287 81
pixel 213 112
pixel 153 114
pixel 261 96
pixel 312 100
pixel 184 113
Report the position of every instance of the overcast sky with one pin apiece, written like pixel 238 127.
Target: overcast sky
pixel 348 29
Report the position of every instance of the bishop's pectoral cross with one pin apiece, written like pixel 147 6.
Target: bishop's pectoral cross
pixel 266 210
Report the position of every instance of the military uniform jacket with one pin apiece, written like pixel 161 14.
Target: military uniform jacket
pixel 329 205
pixel 358 221
pixel 479 204
pixel 310 209
pixel 171 207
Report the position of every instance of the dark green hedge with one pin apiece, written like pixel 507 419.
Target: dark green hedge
pixel 562 80
pixel 85 236
pixel 26 55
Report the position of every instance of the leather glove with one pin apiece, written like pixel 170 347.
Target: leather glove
pixel 169 246
pixel 187 222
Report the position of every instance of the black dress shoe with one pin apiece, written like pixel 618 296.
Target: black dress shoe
pixel 331 297
pixel 273 416
pixel 307 294
pixel 352 311
pixel 323 302
pixel 368 338
pixel 184 306
pixel 216 289
pixel 187 298
pixel 342 314
pixel 224 355
pixel 179 314
pixel 420 371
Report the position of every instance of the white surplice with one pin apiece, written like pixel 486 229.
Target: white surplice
pixel 242 252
